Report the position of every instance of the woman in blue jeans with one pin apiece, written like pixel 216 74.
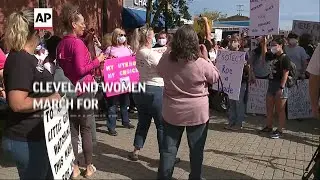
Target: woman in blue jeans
pixel 149 103
pixel 24 137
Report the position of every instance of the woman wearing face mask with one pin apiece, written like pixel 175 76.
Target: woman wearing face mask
pixel 277 91
pixel 237 108
pixel 297 55
pixel 162 40
pixel 119 48
pixel 74 58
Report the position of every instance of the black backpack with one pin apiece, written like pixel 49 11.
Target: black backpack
pixel 293 73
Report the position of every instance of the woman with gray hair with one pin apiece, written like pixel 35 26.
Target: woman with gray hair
pixel 186 71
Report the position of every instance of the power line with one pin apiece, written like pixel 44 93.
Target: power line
pixel 240 10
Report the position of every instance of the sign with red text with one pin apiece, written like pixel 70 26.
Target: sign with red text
pixel 58 141
pixel 120 75
pixel 230 65
pixel 264 17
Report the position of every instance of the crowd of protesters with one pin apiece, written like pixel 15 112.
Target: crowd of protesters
pixel 176 96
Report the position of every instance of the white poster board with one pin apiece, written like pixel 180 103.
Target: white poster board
pixel 160 50
pixel 243 30
pixel 310 27
pixel 257 93
pixel 218 35
pixel 58 141
pixel 230 65
pixel 264 17
pixel 299 105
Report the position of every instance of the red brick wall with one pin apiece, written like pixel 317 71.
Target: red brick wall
pixel 90 9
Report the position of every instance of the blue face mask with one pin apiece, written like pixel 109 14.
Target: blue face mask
pixel 154 41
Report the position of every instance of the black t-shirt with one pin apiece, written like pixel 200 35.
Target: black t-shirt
pixel 278 65
pixel 21 70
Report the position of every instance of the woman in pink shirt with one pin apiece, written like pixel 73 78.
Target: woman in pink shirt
pixel 118 49
pixel 186 71
pixel 74 58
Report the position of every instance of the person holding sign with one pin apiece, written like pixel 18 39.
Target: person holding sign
pixel 186 71
pixel 314 82
pixel 74 58
pixel 277 93
pixel 24 137
pixel 237 109
pixel 119 48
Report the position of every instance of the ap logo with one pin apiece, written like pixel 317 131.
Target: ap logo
pixel 43 18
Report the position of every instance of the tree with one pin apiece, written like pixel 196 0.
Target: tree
pixel 172 11
pixel 212 16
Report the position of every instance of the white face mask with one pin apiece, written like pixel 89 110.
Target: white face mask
pixel 274 50
pixel 212 55
pixel 121 39
pixel 246 49
pixel 162 42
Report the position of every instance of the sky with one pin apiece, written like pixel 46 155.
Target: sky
pixel 289 9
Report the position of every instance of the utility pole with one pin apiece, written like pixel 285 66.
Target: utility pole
pixel 148 13
pixel 240 10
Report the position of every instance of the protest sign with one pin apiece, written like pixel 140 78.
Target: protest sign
pixel 264 17
pixel 230 65
pixel 257 97
pixel 243 30
pixel 218 35
pixel 160 50
pixel 120 72
pixel 299 105
pixel 58 141
pixel 310 27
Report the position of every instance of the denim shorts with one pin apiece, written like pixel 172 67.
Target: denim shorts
pixel 274 87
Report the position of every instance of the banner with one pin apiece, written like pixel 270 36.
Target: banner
pixel 218 35
pixel 264 17
pixel 310 27
pixel 230 65
pixel 58 141
pixel 299 105
pixel 120 73
pixel 257 97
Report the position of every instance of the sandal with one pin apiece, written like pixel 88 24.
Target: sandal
pixel 75 174
pixel 90 171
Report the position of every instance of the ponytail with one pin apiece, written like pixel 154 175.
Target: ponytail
pixel 139 38
pixel 19 29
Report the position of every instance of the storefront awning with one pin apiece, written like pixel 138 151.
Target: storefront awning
pixel 134 18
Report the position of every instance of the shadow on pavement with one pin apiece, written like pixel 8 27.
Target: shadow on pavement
pixel 136 170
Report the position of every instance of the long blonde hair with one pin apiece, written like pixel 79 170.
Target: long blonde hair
pixel 19 29
pixel 140 37
pixel 114 39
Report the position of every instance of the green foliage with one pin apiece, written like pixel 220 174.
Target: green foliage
pixel 177 9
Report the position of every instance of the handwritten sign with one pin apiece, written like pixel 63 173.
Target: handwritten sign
pixel 264 17
pixel 257 97
pixel 58 141
pixel 299 106
pixel 310 27
pixel 230 65
pixel 243 30
pixel 218 34
pixel 120 72
pixel 160 50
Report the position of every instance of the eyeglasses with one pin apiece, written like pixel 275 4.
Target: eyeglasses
pixel 122 35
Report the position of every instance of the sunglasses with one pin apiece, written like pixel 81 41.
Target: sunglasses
pixel 122 35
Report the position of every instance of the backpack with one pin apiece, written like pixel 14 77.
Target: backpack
pixel 293 73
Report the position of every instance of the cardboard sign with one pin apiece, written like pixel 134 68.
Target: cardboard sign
pixel 230 65
pixel 243 30
pixel 58 141
pixel 299 105
pixel 310 27
pixel 264 17
pixel 120 71
pixel 257 97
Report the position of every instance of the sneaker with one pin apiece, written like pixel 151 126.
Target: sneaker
pixel 113 132
pixel 266 130
pixel 276 134
pixel 228 127
pixel 133 157
pixel 128 126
